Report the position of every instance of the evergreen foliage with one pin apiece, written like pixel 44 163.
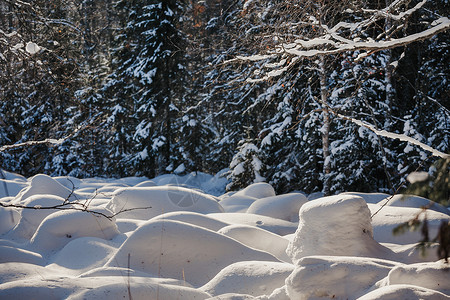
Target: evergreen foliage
pixel 156 88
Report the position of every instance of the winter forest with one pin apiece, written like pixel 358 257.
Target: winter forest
pixel 305 95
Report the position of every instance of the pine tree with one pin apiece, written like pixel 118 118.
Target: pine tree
pixel 143 89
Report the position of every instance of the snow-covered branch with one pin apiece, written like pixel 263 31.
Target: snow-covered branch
pixel 316 37
pixel 440 25
pixel 48 141
pixel 391 135
pixel 33 143
pixel 332 43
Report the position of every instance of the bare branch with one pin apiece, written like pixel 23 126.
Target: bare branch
pixel 71 206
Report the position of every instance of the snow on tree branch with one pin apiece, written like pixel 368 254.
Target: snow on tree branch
pixel 33 143
pixel 331 43
pixel 391 135
pixel 321 37
pixel 48 141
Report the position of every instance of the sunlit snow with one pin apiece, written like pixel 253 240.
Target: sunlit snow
pixel 183 237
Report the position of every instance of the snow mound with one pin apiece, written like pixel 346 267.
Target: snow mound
pixel 61 227
pixel 372 198
pixel 335 276
pixel 69 181
pixel 194 219
pixel 234 296
pixel 10 188
pixel 44 184
pixel 390 217
pixel 285 207
pixel 15 271
pixel 145 203
pixel 95 254
pixel 251 277
pixel 213 185
pixel 111 287
pixel 147 183
pixel 258 190
pixel 173 249
pixel 136 291
pixel 433 276
pixel 9 217
pixel 32 218
pixel 413 201
pixel 410 253
pixel 15 254
pixel 123 272
pixel 193 245
pixel 277 226
pixel 335 225
pixel 237 203
pixel 258 238
pixel 403 291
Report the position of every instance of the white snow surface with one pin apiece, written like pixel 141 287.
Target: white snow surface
pixel 181 237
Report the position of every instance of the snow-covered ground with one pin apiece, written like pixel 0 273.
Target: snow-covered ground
pixel 186 241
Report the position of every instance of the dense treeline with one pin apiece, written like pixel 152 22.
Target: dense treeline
pixel 147 87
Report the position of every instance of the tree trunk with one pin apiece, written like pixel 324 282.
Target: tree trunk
pixel 325 128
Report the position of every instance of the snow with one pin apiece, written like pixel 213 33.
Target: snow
pixel 32 48
pixel 349 218
pixel 413 201
pixel 250 277
pixel 336 276
pixel 188 240
pixel 417 177
pixel 284 207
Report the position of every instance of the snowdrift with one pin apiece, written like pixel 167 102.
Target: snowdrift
pixel 177 237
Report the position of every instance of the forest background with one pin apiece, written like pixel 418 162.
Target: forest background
pixel 143 88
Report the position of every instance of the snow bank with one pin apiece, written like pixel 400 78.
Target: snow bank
pixel 148 202
pixel 335 276
pixel 251 277
pixel 285 207
pixel 173 249
pixel 335 225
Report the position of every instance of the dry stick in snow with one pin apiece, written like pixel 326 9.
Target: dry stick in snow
pixel 72 206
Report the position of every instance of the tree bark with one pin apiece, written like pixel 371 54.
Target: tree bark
pixel 325 128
